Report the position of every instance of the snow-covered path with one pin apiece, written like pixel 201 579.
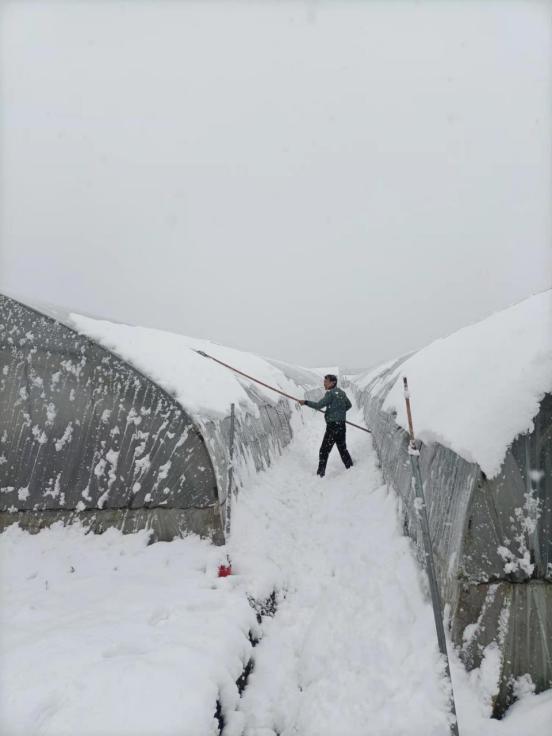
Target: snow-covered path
pixel 352 648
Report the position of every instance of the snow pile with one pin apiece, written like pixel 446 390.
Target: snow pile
pixel 200 385
pixel 106 636
pixel 478 389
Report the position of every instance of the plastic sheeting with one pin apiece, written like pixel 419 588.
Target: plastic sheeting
pixel 81 431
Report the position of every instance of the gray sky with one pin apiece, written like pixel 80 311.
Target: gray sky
pixel 321 182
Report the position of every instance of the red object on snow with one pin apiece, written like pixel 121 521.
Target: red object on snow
pixel 224 570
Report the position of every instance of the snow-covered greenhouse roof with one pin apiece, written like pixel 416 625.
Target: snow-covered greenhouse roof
pixel 130 426
pixel 476 390
pixel 201 386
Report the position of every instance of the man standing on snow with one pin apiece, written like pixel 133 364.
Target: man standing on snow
pixel 337 404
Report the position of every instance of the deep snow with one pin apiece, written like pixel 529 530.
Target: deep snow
pixel 352 650
pixel 104 636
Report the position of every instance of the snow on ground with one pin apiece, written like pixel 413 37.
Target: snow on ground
pixel 476 390
pixel 352 649
pixel 200 385
pixel 102 635
pixel 106 636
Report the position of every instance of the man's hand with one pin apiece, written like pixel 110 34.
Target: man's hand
pixel 300 401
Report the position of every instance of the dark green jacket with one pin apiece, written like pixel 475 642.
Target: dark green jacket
pixel 336 402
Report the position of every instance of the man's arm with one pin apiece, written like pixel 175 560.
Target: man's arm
pixel 348 404
pixel 324 401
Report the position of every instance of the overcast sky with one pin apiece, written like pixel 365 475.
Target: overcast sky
pixel 321 182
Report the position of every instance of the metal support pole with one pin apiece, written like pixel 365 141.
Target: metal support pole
pixel 421 511
pixel 230 470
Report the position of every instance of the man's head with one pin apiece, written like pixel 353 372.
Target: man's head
pixel 330 381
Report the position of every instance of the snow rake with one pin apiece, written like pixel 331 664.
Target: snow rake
pixel 421 512
pixel 272 388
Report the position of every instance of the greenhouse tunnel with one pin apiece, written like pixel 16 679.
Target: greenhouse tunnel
pixel 492 538
pixel 84 435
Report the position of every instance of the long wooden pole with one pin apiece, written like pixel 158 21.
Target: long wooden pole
pixel 266 385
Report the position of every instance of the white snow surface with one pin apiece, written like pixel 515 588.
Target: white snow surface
pixel 102 635
pixel 352 649
pixel 106 636
pixel 476 390
pixel 200 385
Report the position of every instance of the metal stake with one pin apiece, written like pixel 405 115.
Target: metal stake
pixel 428 552
pixel 230 471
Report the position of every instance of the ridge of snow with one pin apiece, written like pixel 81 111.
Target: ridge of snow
pixel 479 388
pixel 200 385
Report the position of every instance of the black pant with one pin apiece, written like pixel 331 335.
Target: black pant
pixel 335 434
